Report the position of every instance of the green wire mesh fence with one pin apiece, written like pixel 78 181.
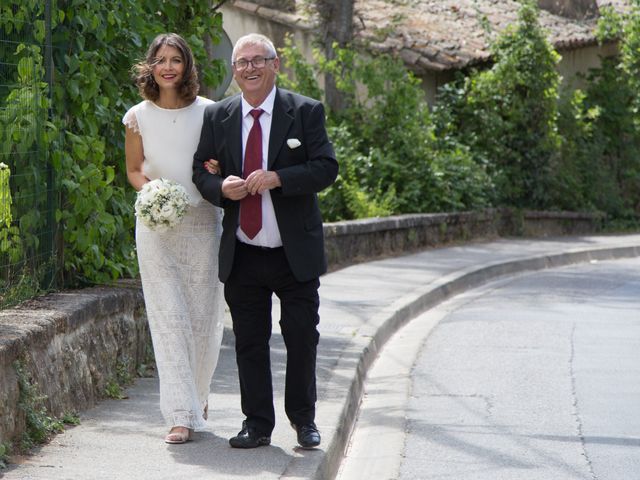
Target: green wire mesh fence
pixel 28 194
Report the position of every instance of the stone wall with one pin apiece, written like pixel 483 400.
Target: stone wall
pixel 359 240
pixel 72 343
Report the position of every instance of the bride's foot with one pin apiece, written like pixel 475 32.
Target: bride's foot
pixel 205 414
pixel 178 435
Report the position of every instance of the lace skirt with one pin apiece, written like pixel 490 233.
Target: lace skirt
pixel 185 307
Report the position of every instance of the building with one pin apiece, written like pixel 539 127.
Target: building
pixel 435 38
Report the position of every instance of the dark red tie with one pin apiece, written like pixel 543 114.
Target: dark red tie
pixel 251 205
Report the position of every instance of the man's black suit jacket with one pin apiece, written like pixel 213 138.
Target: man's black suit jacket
pixel 303 171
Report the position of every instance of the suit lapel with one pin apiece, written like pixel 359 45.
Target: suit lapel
pixel 280 123
pixel 232 126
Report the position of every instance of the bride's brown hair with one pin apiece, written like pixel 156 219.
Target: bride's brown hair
pixel 143 71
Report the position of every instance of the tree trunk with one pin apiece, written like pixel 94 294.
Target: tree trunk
pixel 336 27
pixel 205 90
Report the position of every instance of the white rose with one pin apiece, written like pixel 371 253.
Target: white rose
pixel 168 211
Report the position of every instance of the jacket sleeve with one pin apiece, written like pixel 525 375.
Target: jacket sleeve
pixel 209 185
pixel 321 168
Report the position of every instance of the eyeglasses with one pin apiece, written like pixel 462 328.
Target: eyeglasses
pixel 256 62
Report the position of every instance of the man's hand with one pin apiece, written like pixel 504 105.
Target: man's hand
pixel 212 166
pixel 234 188
pixel 260 180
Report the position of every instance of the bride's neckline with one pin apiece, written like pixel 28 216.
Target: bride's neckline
pixel 174 109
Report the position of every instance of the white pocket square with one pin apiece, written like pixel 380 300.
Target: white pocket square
pixel 293 143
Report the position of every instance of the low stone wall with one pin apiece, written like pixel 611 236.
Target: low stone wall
pixel 553 224
pixel 71 344
pixel 355 241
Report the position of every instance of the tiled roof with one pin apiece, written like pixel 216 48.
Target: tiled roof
pixel 439 35
pixel 451 34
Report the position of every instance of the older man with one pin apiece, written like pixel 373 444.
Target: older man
pixel 273 157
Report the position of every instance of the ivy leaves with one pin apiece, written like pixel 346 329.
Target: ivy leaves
pixel 94 47
pixel 102 44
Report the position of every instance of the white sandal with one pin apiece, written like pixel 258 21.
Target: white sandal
pixel 178 437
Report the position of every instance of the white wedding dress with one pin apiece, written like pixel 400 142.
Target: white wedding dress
pixel 179 267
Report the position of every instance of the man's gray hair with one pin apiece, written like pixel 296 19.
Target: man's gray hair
pixel 254 39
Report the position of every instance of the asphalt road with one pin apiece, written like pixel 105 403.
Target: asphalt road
pixel 535 376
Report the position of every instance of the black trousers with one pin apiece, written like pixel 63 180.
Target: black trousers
pixel 257 274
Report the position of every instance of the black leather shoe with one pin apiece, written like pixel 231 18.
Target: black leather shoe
pixel 308 435
pixel 249 437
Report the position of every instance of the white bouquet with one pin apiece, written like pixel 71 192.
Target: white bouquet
pixel 161 204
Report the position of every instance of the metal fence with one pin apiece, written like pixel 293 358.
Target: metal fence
pixel 28 195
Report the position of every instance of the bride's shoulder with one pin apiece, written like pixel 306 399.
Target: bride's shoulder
pixel 141 107
pixel 132 115
pixel 203 101
pixel 145 105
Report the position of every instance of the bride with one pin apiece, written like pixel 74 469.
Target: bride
pixel 178 267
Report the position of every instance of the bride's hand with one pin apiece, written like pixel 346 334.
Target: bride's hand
pixel 212 166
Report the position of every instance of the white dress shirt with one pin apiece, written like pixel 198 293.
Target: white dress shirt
pixel 269 235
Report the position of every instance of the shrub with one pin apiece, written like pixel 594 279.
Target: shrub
pixel 507 115
pixel 391 161
pixel 600 127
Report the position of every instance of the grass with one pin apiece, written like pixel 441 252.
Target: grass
pixel 40 424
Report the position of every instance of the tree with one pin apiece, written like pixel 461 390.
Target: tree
pixel 507 115
pixel 336 29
